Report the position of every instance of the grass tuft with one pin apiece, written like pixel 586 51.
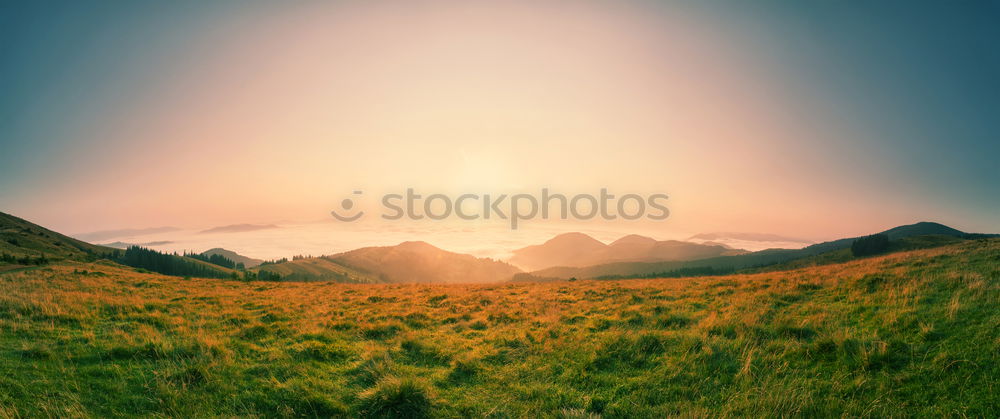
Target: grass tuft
pixel 393 397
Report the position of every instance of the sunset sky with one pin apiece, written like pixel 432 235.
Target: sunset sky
pixel 813 121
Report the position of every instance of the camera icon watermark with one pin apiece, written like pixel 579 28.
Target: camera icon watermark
pixel 346 205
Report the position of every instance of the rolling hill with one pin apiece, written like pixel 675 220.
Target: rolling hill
pixel 318 269
pixel 21 238
pixel 407 262
pixel 418 261
pixel 908 334
pixel 25 243
pixel 568 249
pixel 580 250
pixel 404 263
pixel 725 264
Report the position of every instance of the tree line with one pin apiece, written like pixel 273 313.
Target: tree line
pixel 24 260
pixel 217 259
pixel 870 245
pixel 167 263
pixel 273 262
pixel 259 276
pixel 174 264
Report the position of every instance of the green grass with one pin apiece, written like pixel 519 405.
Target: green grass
pixel 912 333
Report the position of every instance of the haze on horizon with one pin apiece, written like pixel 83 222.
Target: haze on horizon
pixel 811 121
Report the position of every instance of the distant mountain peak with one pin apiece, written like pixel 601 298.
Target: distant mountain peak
pixel 578 249
pixel 574 237
pixel 634 239
pixel 419 261
pixel 922 228
pixel 418 246
pixel 416 243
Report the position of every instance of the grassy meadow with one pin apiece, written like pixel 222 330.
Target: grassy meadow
pixel 914 333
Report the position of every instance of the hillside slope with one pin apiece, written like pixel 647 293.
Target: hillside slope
pixel 421 262
pixel 19 237
pixel 407 262
pixel 319 269
pixel 907 334
pixel 763 258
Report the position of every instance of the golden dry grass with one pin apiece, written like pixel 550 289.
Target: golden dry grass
pixel 911 333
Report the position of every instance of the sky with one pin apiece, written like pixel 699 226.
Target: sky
pixel 809 120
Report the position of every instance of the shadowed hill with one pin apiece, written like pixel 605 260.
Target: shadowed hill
pixel 317 269
pixel 568 249
pixel 923 229
pixel 726 264
pixel 580 250
pixel 418 261
pixel 406 262
pixel 19 237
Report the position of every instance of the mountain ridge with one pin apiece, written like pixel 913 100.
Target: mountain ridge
pixel 421 262
pixel 406 262
pixel 580 250
pixel 731 263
